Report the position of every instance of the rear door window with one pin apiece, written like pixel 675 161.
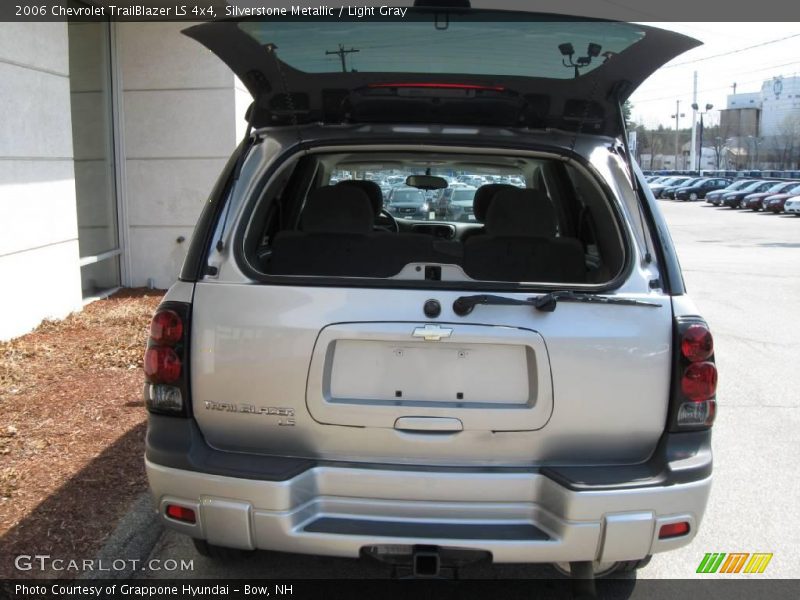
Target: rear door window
pixel 538 221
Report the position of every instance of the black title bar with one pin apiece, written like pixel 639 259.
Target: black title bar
pixel 204 10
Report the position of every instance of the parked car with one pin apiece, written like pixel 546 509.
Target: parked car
pixel 715 197
pixel 776 202
pixel 442 197
pixel 755 202
pixel 455 204
pixel 658 188
pixel 386 189
pixel 314 386
pixel 699 190
pixel 472 180
pixel 407 203
pixel 395 180
pixel 736 199
pixel 792 206
pixel 669 191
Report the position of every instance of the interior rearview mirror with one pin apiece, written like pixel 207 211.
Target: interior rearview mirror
pixel 426 182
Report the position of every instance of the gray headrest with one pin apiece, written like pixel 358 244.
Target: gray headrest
pixel 337 209
pixel 484 196
pixel 521 213
pixel 371 189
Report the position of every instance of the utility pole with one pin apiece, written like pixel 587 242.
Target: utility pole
pixel 678 114
pixel 342 52
pixel 700 158
pixel 693 147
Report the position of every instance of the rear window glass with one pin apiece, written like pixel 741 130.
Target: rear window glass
pixel 523 48
pixel 525 220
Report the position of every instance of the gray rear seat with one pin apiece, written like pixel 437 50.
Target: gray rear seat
pixel 337 240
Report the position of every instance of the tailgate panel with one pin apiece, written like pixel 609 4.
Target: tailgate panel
pixel 597 378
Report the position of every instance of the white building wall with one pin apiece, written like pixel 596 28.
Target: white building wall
pixel 39 264
pixel 777 108
pixel 181 118
pixel 744 100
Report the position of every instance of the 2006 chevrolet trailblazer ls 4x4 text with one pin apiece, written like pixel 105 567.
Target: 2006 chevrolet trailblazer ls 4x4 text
pixel 530 383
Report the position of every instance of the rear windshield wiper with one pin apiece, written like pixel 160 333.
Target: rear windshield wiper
pixel 545 303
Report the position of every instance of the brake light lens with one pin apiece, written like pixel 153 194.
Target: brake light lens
pixel 162 365
pixel 699 381
pixel 444 86
pixel 697 343
pixel 166 327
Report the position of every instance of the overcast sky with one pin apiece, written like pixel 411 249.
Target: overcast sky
pixel 654 101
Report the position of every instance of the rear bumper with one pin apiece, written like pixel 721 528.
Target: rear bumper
pixel 518 515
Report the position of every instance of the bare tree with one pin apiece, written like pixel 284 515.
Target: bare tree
pixel 787 140
pixel 656 144
pixel 717 137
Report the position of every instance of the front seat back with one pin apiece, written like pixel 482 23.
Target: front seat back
pixel 521 243
pixel 484 196
pixel 334 239
pixel 370 188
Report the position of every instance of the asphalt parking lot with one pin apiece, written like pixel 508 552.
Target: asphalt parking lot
pixel 743 272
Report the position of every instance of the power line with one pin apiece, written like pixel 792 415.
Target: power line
pixel 768 42
pixel 715 88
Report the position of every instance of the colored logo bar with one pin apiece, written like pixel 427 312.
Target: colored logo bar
pixel 735 562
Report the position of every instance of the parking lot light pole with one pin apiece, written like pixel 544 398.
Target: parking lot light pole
pixel 695 108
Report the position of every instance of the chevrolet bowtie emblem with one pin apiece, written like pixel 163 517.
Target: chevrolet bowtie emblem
pixel 432 333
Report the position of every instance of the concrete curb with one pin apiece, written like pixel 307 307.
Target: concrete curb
pixel 132 541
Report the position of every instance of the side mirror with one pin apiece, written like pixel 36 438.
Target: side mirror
pixel 426 182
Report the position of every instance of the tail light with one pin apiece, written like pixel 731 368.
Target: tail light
pixel 699 381
pixel 162 365
pixel 694 384
pixel 697 343
pixel 166 361
pixel 166 327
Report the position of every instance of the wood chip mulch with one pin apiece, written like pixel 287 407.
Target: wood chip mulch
pixel 72 429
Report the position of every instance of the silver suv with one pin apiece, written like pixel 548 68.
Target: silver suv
pixel 531 385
